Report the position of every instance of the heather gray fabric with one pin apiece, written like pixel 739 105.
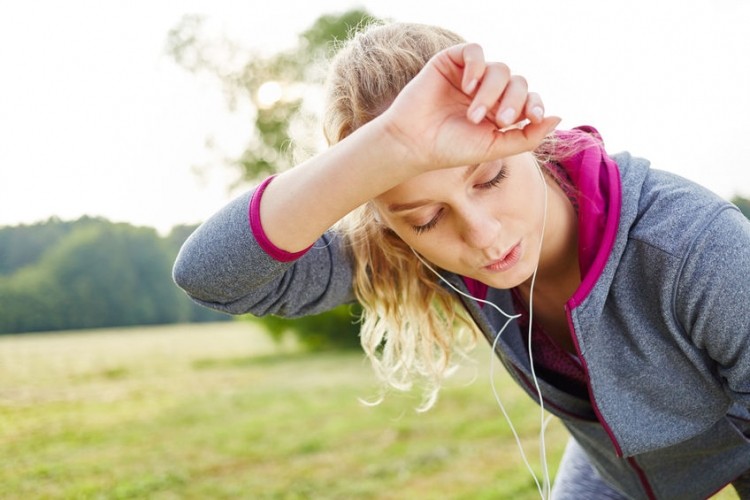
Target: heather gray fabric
pixel 221 266
pixel 664 333
pixel 577 479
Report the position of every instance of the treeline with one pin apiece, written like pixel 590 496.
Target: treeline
pixel 93 273
pixel 90 273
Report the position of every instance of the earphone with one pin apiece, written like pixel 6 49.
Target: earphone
pixel 545 487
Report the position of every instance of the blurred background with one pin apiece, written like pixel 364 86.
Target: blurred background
pixel 98 118
pixel 123 125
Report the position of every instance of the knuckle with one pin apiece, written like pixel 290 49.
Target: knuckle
pixel 473 52
pixel 499 73
pixel 503 69
pixel 520 81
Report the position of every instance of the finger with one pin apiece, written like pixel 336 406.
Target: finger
pixel 493 84
pixel 512 102
pixel 534 109
pixel 519 140
pixel 470 57
pixel 463 64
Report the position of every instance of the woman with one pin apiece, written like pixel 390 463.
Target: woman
pixel 457 206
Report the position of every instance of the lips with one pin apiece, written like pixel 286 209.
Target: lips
pixel 507 261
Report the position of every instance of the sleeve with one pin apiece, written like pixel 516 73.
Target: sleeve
pixel 713 298
pixel 223 266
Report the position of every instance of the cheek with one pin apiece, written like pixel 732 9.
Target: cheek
pixel 436 245
pixel 443 254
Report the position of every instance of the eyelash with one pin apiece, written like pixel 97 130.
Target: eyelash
pixel 502 174
pixel 426 227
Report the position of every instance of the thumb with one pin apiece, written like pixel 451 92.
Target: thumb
pixel 518 140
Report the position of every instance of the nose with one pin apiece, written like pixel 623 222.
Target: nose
pixel 479 229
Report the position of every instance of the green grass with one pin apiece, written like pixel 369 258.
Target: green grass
pixel 218 411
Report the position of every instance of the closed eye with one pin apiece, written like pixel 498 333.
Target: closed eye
pixel 426 227
pixel 502 174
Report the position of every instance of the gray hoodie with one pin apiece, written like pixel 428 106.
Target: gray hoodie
pixel 663 328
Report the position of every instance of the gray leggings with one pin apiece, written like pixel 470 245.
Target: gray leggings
pixel 577 480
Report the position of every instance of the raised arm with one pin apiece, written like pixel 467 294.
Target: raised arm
pixel 449 115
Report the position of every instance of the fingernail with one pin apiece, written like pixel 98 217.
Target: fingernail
pixel 478 114
pixel 537 112
pixel 471 86
pixel 507 116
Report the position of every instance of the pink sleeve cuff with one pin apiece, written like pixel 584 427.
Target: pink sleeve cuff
pixel 257 228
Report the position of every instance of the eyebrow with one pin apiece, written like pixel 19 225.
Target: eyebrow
pixel 402 207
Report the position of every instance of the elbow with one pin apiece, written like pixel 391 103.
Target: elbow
pixel 193 273
pixel 181 274
pixel 205 285
pixel 184 275
pixel 188 278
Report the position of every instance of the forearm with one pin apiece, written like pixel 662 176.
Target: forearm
pixel 302 203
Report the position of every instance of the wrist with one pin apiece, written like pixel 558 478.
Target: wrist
pixel 397 147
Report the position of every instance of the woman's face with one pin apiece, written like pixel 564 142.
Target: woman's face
pixel 482 221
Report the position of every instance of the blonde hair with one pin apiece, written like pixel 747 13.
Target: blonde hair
pixel 411 325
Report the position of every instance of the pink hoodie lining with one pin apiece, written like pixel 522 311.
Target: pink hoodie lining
pixel 256 227
pixel 596 241
pixel 598 217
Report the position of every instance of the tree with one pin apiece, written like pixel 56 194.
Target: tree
pixel 283 90
pixel 93 273
pixel 24 245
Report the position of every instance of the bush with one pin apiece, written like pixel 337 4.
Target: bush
pixel 335 329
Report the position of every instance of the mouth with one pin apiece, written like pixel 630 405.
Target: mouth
pixel 508 260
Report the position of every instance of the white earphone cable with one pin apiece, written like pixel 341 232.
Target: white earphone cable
pixel 543 426
pixel 544 488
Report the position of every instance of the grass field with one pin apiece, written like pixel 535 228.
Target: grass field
pixel 218 411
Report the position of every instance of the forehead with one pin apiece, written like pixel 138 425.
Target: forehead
pixel 425 188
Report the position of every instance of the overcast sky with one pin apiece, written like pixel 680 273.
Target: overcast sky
pixel 96 119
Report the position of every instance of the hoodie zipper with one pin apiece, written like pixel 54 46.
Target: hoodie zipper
pixel 631 461
pixel 618 450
